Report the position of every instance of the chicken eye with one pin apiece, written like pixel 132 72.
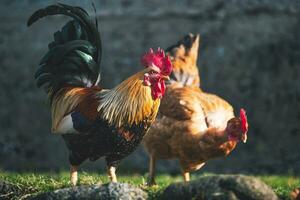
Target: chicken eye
pixel 235 125
pixel 152 72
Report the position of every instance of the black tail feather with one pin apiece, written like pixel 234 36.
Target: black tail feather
pixel 74 57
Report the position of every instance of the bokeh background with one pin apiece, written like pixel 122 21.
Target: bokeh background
pixel 249 55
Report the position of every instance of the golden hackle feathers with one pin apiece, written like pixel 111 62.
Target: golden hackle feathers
pixel 63 103
pixel 130 102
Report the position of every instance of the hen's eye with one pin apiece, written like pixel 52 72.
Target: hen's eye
pixel 235 125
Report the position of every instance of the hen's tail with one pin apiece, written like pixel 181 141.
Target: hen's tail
pixel 184 55
pixel 73 58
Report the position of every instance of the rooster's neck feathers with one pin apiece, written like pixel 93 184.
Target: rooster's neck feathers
pixel 129 103
pixel 63 103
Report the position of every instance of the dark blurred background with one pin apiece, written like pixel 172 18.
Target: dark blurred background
pixel 249 55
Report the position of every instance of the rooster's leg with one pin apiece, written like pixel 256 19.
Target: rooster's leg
pixel 151 180
pixel 186 176
pixel 112 174
pixel 73 174
pixel 185 170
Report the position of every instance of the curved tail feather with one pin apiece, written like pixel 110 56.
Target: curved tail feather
pixel 73 58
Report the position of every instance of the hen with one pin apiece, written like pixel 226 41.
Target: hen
pixel 96 122
pixel 192 126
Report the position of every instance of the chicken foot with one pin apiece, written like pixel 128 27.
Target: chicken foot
pixel 112 174
pixel 186 169
pixel 73 174
pixel 186 176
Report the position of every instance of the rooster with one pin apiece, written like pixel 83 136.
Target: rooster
pixel 96 122
pixel 192 126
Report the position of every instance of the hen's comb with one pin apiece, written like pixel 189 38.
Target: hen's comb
pixel 244 121
pixel 157 59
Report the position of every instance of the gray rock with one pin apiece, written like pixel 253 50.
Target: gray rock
pixel 221 187
pixel 112 191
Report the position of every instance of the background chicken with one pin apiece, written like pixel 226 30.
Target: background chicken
pixel 95 122
pixel 192 126
pixel 184 57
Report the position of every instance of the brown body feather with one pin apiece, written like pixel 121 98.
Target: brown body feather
pixel 89 103
pixel 70 99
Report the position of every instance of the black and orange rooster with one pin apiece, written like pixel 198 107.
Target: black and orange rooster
pixel 96 122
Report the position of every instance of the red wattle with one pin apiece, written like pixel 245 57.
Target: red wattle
pixel 158 89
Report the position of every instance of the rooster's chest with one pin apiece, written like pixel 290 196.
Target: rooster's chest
pixel 103 139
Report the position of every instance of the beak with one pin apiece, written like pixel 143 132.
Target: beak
pixel 244 138
pixel 166 78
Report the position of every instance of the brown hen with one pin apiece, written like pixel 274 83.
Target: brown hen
pixel 192 126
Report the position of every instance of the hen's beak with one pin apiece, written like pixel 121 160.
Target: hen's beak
pixel 166 78
pixel 244 138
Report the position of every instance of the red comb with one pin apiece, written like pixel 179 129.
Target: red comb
pixel 244 121
pixel 159 59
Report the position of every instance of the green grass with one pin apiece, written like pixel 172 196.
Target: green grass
pixel 35 183
pixel 282 185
